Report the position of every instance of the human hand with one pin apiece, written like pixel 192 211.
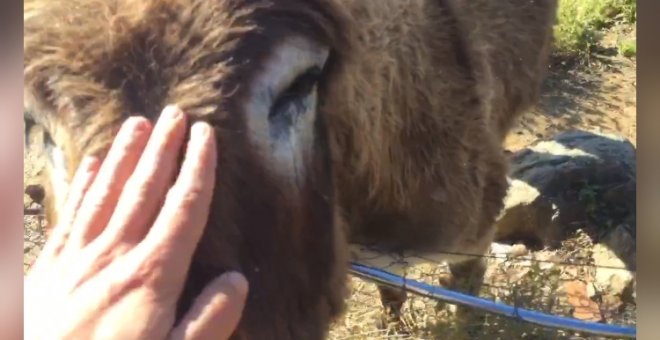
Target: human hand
pixel 115 264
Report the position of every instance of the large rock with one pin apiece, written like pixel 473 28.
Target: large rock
pixel 610 279
pixel 559 184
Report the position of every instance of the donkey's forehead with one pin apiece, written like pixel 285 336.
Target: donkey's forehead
pixel 90 64
pixel 157 51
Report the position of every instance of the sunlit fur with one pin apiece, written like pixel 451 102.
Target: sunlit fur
pixel 414 103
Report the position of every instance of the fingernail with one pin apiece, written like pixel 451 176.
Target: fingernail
pixel 201 129
pixel 135 124
pixel 171 112
pixel 235 281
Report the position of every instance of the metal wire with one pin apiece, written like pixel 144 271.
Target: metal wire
pixel 497 257
pixel 562 263
pixel 438 293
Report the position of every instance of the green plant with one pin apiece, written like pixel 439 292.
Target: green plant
pixel 589 196
pixel 628 48
pixel 580 23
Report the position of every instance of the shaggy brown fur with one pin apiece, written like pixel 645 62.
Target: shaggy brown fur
pixel 416 99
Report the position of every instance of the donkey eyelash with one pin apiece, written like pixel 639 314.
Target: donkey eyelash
pixel 300 88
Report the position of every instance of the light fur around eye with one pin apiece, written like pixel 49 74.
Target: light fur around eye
pixel 280 127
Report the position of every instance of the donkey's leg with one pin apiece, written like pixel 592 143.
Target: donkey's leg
pixel 468 276
pixel 392 300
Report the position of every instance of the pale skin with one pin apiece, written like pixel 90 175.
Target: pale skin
pixel 115 264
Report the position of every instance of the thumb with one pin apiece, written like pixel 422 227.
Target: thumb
pixel 216 311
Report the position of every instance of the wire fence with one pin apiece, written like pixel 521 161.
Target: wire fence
pixel 547 294
pixel 515 312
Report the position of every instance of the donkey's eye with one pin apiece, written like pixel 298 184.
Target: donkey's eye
pixel 296 93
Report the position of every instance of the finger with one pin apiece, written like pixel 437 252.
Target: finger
pixel 145 189
pixel 179 226
pixel 100 201
pixel 80 184
pixel 216 311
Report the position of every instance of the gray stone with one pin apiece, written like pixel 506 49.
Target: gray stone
pixel 558 184
pixel 612 277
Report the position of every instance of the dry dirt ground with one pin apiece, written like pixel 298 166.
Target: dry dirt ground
pixel 600 96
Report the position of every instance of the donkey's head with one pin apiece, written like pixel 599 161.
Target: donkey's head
pixel 257 71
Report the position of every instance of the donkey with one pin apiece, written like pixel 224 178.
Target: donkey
pixel 338 121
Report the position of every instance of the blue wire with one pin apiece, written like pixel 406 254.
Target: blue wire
pixel 530 316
